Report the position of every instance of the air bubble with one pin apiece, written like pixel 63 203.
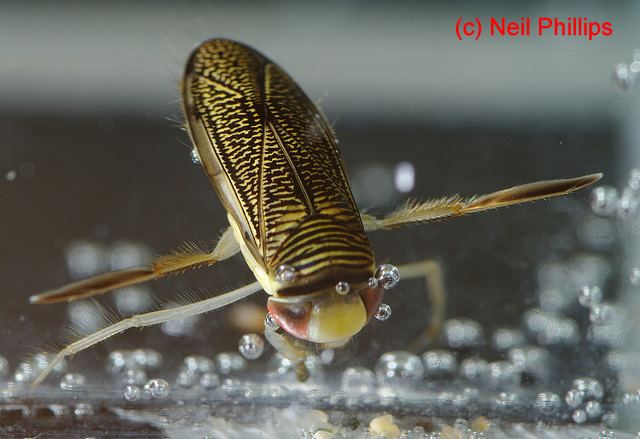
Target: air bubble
pixel 343 288
pixel 634 277
pixel 590 387
pixel 405 177
pixel 602 313
pixel 384 312
pixel 399 367
pixel 72 381
pixel 622 77
pixel 634 179
pixel 372 282
pixel 628 205
pixel 604 200
pixel 270 322
pixel 573 398
pixel 186 379
pixel 593 410
pixel 25 372
pixel 358 380
pixel 179 327
pixel 197 364
pixel 86 258
pixel 157 388
pixel 134 376
pixel 533 360
pixel 126 254
pixel 630 399
pixel 209 380
pixel 251 346
pixel 388 276
pixel 589 295
pixel 474 369
pixel 579 416
pixel 327 355
pixel 86 317
pixel 11 175
pixel 4 368
pixel 195 156
pixel 439 363
pixel 547 403
pixel 462 333
pixel 507 338
pixel 41 362
pixel 133 300
pixel 285 274
pixel 230 362
pixel 507 400
pixel 119 361
pixel 132 393
pixel 503 373
pixel 147 358
pixel 83 410
pixel 549 328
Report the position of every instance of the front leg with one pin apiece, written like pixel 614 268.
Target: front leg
pixel 289 347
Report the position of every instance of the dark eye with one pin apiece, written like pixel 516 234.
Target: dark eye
pixel 292 317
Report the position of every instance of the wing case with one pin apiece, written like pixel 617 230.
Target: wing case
pixel 274 163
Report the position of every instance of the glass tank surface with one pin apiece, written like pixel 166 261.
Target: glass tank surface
pixel 513 322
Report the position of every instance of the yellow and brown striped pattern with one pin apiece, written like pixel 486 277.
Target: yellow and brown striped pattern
pixel 273 160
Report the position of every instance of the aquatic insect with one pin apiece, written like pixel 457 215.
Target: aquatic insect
pixel 274 162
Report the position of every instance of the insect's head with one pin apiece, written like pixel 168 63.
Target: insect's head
pixel 336 310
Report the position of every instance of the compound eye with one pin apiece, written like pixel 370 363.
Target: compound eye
pixel 372 298
pixel 292 317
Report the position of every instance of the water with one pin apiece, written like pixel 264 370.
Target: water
pixel 536 338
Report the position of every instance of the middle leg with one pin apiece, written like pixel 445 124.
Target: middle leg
pixel 431 271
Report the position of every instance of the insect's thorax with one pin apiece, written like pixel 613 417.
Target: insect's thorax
pixel 317 255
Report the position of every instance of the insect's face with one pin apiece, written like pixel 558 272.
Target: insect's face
pixel 329 316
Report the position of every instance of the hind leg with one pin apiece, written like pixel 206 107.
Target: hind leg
pixel 188 258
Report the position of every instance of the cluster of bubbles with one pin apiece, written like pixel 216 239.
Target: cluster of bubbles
pixel 130 368
pixel 196 372
pixel 584 397
pixel 607 201
pixel 28 370
pixel 570 297
pixel 625 75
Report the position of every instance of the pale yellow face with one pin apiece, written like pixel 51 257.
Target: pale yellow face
pixel 336 318
pixel 326 317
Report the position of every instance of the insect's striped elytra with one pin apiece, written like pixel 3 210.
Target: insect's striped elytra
pixel 273 160
pixel 277 168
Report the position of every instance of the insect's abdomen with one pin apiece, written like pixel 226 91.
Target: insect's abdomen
pixel 274 162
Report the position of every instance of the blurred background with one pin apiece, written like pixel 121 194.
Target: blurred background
pixel 93 158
